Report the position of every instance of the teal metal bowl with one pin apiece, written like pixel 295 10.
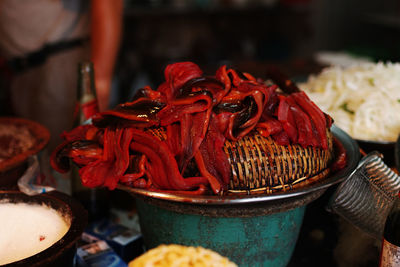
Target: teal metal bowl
pixel 249 234
pixel 251 230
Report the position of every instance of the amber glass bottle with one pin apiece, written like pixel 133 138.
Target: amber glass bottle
pixel 95 200
pixel 390 254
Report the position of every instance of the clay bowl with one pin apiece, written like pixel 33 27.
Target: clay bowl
pixel 12 168
pixel 63 251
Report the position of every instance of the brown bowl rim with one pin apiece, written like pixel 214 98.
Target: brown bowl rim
pixel 40 132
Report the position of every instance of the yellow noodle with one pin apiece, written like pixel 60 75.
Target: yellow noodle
pixel 181 256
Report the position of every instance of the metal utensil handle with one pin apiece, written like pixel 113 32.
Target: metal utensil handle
pixel 365 198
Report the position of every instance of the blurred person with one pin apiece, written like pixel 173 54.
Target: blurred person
pixel 41 44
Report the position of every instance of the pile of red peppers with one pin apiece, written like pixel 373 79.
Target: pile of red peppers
pixel 198 113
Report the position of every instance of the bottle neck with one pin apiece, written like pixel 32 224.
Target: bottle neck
pixel 87 104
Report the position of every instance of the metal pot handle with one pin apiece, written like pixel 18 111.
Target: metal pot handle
pixel 366 196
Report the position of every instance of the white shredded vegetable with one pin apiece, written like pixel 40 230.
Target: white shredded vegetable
pixel 363 100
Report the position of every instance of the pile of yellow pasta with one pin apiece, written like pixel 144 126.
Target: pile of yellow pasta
pixel 181 256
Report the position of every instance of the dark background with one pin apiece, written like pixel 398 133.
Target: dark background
pixel 248 34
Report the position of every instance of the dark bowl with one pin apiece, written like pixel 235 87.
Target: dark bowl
pixel 385 148
pixel 9 178
pixel 63 251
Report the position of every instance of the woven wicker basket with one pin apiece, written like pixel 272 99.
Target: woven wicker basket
pixel 259 164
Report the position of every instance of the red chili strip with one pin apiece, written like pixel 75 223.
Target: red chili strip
pixel 185 126
pixel 140 183
pixel 122 142
pixel 285 116
pixel 169 161
pixel 340 156
pixel 85 155
pixel 236 80
pixel 174 139
pixel 78 133
pixel 176 75
pixel 213 155
pixel 156 166
pixel 258 98
pixel 58 158
pixel 113 164
pixel 95 173
pixel 249 77
pixel 269 127
pixel 304 125
pixel 172 113
pixel 186 136
pixel 214 183
pixel 222 75
pixel 237 130
pixel 131 177
pixel 281 138
pixel 316 116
